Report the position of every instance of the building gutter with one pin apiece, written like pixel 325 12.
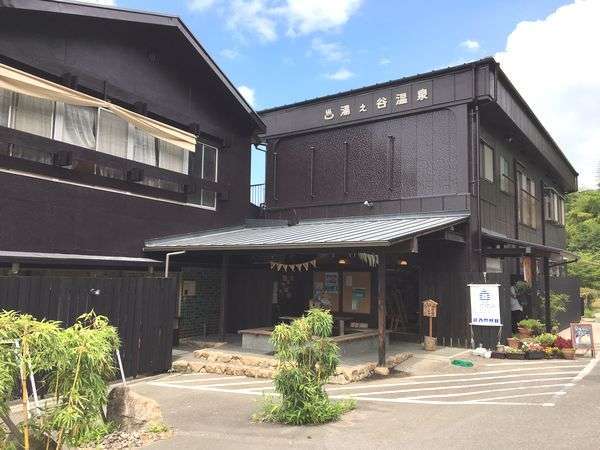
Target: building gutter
pixel 167 258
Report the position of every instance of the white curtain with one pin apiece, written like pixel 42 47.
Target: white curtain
pixel 144 149
pixel 34 115
pixel 112 134
pixel 209 163
pixel 79 126
pixel 5 99
pixel 171 157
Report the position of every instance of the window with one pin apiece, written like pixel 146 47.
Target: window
pixel 526 200
pixel 33 115
pixel 78 125
pixel 171 157
pixel 505 179
pixel 144 147
pixel 113 134
pixel 209 172
pixel 5 101
pixel 493 265
pixel 487 162
pixel 554 207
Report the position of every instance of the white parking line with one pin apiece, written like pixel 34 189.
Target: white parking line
pixel 195 380
pixel 486 391
pixel 461 386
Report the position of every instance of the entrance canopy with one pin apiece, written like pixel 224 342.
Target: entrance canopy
pixel 349 232
pixel 516 247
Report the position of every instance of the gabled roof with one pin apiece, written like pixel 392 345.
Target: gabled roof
pixel 128 15
pixel 349 232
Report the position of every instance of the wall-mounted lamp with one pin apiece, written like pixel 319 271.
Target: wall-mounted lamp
pixel 343 261
pixel 368 204
pixel 94 291
pixel 402 262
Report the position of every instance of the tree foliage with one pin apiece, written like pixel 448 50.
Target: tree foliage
pixel 307 358
pixel 583 236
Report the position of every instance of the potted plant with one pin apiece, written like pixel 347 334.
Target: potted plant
pixel 533 350
pixel 499 352
pixel 513 342
pixel 566 347
pixel 546 339
pixel 552 352
pixel 530 327
pixel 514 353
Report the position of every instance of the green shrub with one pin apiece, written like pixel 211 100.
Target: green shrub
pixel 307 358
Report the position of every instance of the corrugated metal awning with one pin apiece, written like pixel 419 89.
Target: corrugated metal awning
pixel 356 232
pixel 10 256
pixel 561 253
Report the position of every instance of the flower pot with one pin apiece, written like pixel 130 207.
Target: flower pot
pixel 568 353
pixel 430 343
pixel 498 355
pixel 535 355
pixel 513 342
pixel 525 332
pixel 519 355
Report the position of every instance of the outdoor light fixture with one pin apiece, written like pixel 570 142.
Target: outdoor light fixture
pixel 368 204
pixel 402 262
pixel 342 261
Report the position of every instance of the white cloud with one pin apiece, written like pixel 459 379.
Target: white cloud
pixel 470 44
pixel 229 53
pixel 308 16
pixel 330 51
pixel 252 16
pixel 200 5
pixel 248 94
pixel 98 2
pixel 552 64
pixel 339 75
pixel 262 18
pixel 385 61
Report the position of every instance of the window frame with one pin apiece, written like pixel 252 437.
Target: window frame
pixel 505 178
pixel 555 205
pixel 526 199
pixel 483 163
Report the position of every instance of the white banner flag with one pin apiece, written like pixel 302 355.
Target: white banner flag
pixel 485 305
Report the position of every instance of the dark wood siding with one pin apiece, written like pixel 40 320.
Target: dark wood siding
pixel 413 163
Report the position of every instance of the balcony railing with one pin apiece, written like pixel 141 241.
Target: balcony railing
pixel 257 194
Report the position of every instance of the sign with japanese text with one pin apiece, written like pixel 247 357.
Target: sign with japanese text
pixel 485 304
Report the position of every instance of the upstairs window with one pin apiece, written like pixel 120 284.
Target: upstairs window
pixel 487 162
pixel 5 101
pixel 526 200
pixel 505 178
pixel 78 125
pixel 554 205
pixel 33 115
pixel 113 134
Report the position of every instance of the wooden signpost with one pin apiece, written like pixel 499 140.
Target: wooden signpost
pixel 580 331
pixel 430 311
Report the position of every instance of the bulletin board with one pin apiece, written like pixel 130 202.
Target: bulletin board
pixel 357 292
pixel 326 285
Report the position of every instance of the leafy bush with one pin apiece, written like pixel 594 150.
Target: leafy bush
pixel 307 358
pixel 75 364
pixel 562 343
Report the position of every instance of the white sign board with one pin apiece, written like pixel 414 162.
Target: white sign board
pixel 485 305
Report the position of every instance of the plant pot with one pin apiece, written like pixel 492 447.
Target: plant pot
pixel 498 355
pixel 525 332
pixel 568 353
pixel 430 343
pixel 515 355
pixel 513 342
pixel 535 355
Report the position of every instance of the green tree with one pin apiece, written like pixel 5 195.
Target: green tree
pixel 307 358
pixel 583 236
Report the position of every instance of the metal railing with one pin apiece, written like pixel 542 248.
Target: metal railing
pixel 257 194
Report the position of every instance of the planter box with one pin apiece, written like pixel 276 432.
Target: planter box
pixel 513 342
pixel 515 355
pixel 498 355
pixel 535 355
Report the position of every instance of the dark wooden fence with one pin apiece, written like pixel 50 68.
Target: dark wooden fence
pixel 141 308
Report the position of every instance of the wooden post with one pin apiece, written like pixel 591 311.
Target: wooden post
pixel 548 317
pixel 224 292
pixel 381 308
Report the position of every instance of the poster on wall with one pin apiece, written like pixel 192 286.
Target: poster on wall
pixel 331 282
pixel 359 295
pixel 485 305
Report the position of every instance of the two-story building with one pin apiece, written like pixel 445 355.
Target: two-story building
pixel 115 126
pixel 383 196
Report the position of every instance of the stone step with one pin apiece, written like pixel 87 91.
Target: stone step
pixel 199 366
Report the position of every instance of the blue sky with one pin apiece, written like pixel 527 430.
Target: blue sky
pixel 282 51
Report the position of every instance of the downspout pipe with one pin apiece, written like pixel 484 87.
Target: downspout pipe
pixel 167 258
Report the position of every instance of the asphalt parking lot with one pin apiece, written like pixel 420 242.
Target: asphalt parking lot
pixel 496 405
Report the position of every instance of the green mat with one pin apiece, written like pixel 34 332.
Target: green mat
pixel 462 363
